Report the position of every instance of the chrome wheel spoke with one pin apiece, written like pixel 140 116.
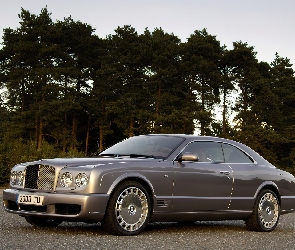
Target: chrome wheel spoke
pixel 131 209
pixel 268 210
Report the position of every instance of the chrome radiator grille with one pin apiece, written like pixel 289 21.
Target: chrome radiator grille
pixel 40 177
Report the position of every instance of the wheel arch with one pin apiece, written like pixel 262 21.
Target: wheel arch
pixel 271 186
pixel 137 178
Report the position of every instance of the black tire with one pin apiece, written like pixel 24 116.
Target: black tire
pixel 42 222
pixel 266 212
pixel 128 211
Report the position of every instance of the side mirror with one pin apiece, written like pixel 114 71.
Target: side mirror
pixel 188 157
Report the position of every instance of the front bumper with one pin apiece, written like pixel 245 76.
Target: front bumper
pixel 62 206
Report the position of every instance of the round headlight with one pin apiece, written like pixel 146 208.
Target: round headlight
pixel 81 180
pixel 19 178
pixel 13 177
pixel 66 179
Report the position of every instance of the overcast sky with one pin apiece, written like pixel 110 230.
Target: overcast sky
pixel 267 25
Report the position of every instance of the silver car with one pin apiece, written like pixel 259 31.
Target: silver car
pixel 153 178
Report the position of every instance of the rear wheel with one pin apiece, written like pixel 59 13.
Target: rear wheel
pixel 42 222
pixel 128 211
pixel 266 212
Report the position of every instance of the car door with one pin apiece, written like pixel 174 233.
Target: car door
pixel 205 184
pixel 246 174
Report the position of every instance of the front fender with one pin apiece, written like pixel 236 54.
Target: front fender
pixel 109 181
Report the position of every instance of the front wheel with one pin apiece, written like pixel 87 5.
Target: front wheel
pixel 42 222
pixel 266 212
pixel 128 211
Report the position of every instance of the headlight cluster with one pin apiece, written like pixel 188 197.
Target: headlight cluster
pixel 16 178
pixel 81 180
pixel 67 180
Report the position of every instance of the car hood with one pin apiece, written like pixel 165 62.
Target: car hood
pixel 91 162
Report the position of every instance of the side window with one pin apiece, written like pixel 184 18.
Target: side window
pixel 207 151
pixel 235 155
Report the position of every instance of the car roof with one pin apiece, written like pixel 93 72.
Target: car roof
pixel 195 137
pixel 250 151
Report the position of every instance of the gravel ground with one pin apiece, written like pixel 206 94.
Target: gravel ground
pixel 16 233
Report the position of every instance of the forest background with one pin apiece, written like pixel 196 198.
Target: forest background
pixel 67 92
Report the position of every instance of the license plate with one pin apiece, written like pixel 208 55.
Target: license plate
pixel 29 199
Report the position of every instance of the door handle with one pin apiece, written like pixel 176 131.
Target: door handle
pixel 225 172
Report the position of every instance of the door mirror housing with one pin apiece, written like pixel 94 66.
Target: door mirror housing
pixel 187 157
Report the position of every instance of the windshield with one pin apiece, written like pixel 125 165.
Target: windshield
pixel 154 146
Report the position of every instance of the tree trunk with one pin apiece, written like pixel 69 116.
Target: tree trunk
pixel 36 130
pixel 100 138
pixel 23 96
pixel 131 127
pixel 74 133
pixel 39 145
pixel 87 136
pixel 202 110
pixel 158 100
pixel 224 113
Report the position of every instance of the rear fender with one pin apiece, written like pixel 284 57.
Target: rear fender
pixel 270 185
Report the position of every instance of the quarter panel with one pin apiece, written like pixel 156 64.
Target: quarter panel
pixel 249 179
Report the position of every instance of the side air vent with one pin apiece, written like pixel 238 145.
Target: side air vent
pixel 163 203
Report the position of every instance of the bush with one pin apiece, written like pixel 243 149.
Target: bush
pixel 14 152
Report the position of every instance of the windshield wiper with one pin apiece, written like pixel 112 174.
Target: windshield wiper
pixel 109 155
pixel 141 155
pixel 130 155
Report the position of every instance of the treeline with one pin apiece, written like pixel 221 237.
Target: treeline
pixel 65 91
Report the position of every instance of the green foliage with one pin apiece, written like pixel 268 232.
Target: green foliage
pixel 17 151
pixel 201 55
